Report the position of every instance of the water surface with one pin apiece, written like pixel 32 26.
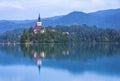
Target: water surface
pixel 60 62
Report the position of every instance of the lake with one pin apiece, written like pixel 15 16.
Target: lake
pixel 60 62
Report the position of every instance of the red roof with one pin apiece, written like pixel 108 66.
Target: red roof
pixel 37 28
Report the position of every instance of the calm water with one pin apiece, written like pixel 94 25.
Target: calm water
pixel 60 62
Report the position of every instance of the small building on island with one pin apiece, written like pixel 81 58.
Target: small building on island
pixel 38 25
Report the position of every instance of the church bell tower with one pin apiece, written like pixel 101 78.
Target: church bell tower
pixel 39 23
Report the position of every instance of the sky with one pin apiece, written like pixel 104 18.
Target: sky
pixel 29 9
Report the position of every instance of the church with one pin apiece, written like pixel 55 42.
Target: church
pixel 38 25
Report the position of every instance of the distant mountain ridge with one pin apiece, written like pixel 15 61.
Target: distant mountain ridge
pixel 102 19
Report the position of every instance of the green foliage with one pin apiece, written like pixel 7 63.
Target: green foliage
pixel 43 36
pixel 84 33
pixel 11 36
pixel 77 33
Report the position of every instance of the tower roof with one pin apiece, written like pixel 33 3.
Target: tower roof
pixel 39 19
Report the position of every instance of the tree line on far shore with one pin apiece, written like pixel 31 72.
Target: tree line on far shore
pixel 63 34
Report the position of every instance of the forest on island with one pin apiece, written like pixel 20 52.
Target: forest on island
pixel 43 36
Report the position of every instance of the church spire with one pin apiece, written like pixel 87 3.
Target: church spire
pixel 39 19
pixel 38 25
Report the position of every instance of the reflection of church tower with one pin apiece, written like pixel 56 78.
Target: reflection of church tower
pixel 38 25
pixel 39 59
pixel 39 63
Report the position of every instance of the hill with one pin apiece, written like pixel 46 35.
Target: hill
pixel 102 19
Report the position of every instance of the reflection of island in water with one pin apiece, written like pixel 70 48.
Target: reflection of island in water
pixel 38 59
pixel 71 57
pixel 79 51
pixel 76 51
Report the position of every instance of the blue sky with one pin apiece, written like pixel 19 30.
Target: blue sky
pixel 29 9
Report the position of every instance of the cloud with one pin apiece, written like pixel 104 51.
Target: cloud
pixel 13 5
pixel 30 8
